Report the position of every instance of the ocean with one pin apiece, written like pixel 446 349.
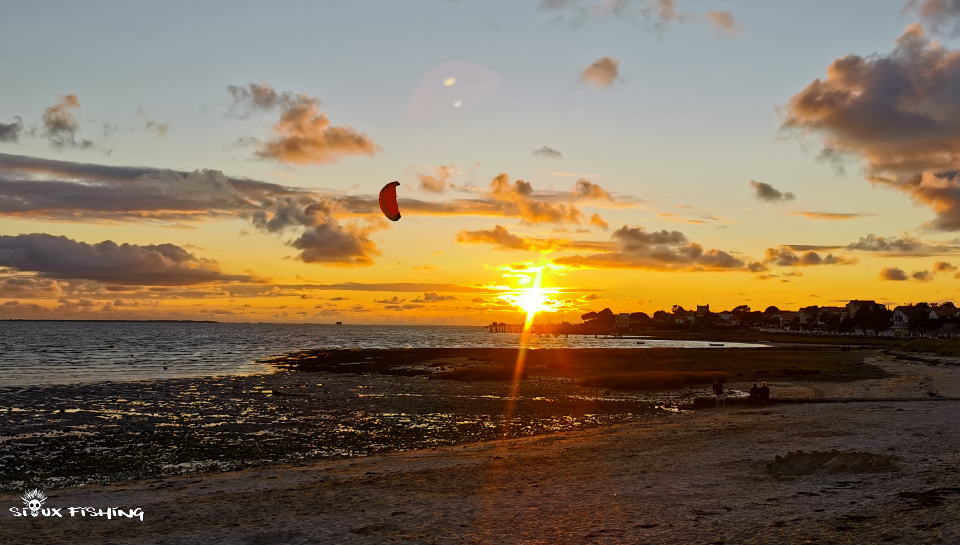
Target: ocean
pixel 47 353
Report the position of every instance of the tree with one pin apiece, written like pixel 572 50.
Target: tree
pixel 678 310
pixel 740 309
pixel 661 316
pixel 771 310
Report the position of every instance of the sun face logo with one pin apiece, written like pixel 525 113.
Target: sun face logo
pixel 34 499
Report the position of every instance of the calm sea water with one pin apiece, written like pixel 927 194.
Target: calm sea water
pixel 35 353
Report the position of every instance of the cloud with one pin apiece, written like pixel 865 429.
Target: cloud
pixel 905 245
pixel 46 189
pixel 585 189
pixel 602 73
pixel 941 16
pixel 543 152
pixel 922 276
pixel 303 135
pixel 257 98
pixel 102 193
pixel 597 221
pixel 531 209
pixel 332 244
pixel 502 239
pixel 723 21
pixel 785 257
pixel 434 297
pixel 439 181
pixel 60 126
pixel 899 113
pixel 64 258
pixel 829 216
pixel 893 274
pixel 943 266
pixel 157 128
pixel 392 301
pixel 10 132
pixel 636 248
pixel 814 247
pixel 766 192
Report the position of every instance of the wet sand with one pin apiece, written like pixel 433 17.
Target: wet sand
pixel 704 477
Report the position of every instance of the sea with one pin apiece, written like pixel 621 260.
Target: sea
pixel 50 352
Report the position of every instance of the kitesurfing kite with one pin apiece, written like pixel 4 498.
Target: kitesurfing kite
pixel 388 201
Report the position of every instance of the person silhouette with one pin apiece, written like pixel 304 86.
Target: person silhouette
pixel 754 394
pixel 718 392
pixel 764 393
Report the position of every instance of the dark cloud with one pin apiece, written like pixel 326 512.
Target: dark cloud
pixel 893 273
pixel 873 243
pixel 332 244
pixel 10 132
pixel 303 135
pixel 766 192
pixel 64 258
pixel 636 248
pixel 922 276
pixel 257 98
pixel 785 257
pixel 602 72
pixel 60 126
pixel 941 16
pixel 546 151
pixel 434 297
pixel 61 190
pixel 905 245
pixel 102 193
pixel 943 266
pixel 899 113
pixel 392 301
pixel 808 247
pixel 157 128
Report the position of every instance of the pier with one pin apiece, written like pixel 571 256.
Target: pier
pixel 501 327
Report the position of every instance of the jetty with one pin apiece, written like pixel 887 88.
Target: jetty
pixel 501 327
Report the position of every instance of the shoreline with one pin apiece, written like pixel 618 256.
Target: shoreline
pixel 692 477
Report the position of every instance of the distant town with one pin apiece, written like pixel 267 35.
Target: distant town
pixel 857 317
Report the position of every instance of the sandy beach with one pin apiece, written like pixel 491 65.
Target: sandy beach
pixel 710 476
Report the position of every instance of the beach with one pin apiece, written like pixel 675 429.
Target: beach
pixel 705 476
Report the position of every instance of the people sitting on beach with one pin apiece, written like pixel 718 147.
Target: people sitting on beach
pixel 764 393
pixel 718 391
pixel 754 394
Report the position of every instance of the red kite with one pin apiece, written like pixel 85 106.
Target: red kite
pixel 388 201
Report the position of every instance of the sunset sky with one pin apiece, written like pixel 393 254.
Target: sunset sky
pixel 222 160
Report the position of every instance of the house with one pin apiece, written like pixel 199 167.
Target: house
pixel 854 306
pixel 908 316
pixel 943 313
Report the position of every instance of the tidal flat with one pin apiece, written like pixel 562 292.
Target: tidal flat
pixel 349 403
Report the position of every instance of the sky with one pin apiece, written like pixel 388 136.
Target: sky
pixel 222 160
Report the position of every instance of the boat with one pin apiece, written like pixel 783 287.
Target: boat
pixel 715 344
pixel 339 323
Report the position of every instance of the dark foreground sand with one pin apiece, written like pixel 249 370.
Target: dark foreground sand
pixel 691 478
